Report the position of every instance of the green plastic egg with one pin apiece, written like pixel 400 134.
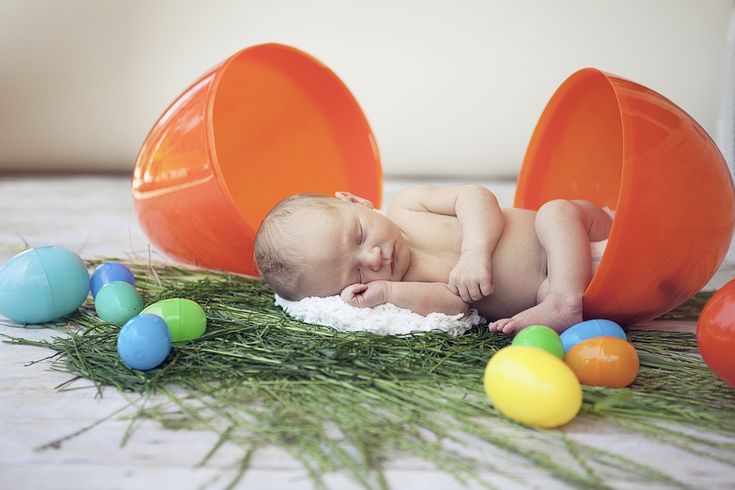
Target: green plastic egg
pixel 542 337
pixel 185 319
pixel 117 302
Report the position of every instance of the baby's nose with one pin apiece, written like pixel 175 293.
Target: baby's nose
pixel 375 259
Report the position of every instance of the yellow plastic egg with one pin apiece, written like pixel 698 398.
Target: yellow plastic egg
pixel 532 387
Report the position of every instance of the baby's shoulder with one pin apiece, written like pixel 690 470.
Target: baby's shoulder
pixel 408 199
pixel 412 202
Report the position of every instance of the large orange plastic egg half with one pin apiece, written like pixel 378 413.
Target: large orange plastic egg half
pixel 604 361
pixel 716 333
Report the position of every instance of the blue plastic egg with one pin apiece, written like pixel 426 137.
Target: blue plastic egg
pixel 590 329
pixel 109 272
pixel 42 284
pixel 117 302
pixel 144 342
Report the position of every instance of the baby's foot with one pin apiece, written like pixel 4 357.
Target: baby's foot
pixel 556 311
pixel 499 325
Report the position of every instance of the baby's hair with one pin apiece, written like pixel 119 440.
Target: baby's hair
pixel 276 253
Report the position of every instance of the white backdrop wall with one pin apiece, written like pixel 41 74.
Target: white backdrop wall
pixel 450 87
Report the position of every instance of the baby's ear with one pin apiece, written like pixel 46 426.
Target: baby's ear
pixel 349 197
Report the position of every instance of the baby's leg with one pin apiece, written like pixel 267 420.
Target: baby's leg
pixel 564 229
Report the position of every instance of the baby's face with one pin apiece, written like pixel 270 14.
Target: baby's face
pixel 352 244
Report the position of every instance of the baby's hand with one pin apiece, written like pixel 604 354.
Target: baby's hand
pixel 365 295
pixel 471 279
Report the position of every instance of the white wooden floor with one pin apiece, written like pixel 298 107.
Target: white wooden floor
pixel 93 216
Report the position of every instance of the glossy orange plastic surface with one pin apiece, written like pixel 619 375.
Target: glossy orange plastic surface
pixel 604 361
pixel 268 122
pixel 624 146
pixel 716 333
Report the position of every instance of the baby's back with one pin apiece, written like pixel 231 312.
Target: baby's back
pixel 519 264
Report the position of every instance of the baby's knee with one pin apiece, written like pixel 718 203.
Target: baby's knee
pixel 559 209
pixel 597 220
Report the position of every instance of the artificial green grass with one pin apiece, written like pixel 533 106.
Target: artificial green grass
pixel 350 401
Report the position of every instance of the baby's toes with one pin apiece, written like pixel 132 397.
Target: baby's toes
pixel 510 327
pixel 497 326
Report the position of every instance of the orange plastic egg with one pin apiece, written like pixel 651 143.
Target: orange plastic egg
pixel 604 361
pixel 624 146
pixel 268 122
pixel 716 333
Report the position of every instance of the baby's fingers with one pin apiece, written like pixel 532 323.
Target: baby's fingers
pixel 473 290
pixel 486 287
pixel 348 293
pixel 467 293
pixel 452 284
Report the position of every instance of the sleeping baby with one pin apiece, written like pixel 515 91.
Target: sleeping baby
pixel 438 249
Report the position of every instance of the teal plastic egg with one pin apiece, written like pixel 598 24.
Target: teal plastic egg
pixel 541 337
pixel 42 284
pixel 185 318
pixel 117 302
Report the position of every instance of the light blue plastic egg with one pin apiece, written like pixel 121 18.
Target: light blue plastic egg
pixel 117 302
pixel 42 284
pixel 590 329
pixel 109 272
pixel 144 342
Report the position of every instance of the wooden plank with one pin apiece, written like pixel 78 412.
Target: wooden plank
pixel 666 326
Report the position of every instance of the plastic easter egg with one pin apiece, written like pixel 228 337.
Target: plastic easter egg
pixel 716 333
pixel 42 284
pixel 144 342
pixel 542 337
pixel 604 361
pixel 533 387
pixel 184 317
pixel 117 302
pixel 109 272
pixel 590 329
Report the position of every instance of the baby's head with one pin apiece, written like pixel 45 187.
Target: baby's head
pixel 314 245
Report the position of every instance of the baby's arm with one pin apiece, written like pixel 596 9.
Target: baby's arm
pixel 420 297
pixel 481 219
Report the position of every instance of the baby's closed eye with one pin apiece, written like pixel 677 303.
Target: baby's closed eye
pixel 360 233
